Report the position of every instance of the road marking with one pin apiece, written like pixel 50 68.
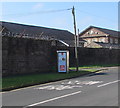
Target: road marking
pixel 66 85
pixel 52 99
pixel 57 87
pixel 78 82
pixel 108 83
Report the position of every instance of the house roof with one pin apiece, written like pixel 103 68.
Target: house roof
pixel 107 31
pixel 81 40
pixel 37 30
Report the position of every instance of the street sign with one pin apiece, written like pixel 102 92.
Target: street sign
pixel 63 61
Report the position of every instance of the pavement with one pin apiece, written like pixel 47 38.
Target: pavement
pixel 96 89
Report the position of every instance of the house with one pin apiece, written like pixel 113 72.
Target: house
pixel 62 37
pixel 81 42
pixel 97 37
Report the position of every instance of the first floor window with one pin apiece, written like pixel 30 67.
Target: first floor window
pixel 116 41
pixel 111 40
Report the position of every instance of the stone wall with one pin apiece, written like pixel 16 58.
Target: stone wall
pixel 25 56
pixel 22 55
pixel 93 56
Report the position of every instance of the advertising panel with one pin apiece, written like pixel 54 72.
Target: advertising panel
pixel 63 61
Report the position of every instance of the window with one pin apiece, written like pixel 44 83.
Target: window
pixel 100 40
pixel 81 44
pixel 87 32
pixel 116 41
pixel 103 39
pixel 111 40
pixel 96 33
pixel 91 32
pixel 94 40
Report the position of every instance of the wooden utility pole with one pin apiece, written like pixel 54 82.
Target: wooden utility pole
pixel 78 39
pixel 75 37
pixel 2 30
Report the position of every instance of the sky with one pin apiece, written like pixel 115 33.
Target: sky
pixel 58 15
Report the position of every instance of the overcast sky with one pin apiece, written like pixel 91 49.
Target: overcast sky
pixel 59 14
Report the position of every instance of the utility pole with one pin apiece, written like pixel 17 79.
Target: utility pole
pixel 78 39
pixel 2 30
pixel 75 37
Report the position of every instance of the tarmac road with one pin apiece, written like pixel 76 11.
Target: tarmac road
pixel 99 89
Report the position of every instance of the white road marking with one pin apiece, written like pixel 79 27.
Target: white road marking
pixel 68 85
pixel 81 82
pixel 52 99
pixel 57 87
pixel 108 83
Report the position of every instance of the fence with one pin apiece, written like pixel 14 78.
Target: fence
pixel 40 36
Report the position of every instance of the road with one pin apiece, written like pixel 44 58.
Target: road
pixel 99 89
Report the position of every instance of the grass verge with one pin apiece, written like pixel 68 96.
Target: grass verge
pixel 95 66
pixel 13 82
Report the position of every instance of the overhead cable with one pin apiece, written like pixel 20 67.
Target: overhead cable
pixel 38 12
